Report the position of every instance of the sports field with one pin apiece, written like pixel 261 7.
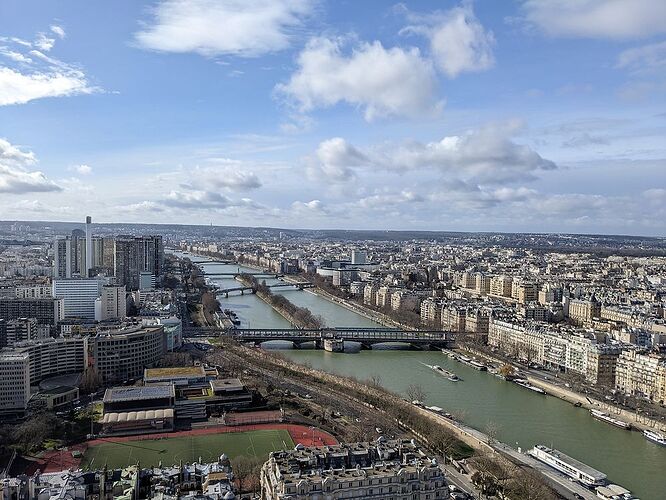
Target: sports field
pixel 170 451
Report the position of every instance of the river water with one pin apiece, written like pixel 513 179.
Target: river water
pixel 517 416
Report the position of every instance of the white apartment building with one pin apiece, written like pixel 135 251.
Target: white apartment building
pixel 79 296
pixel 111 304
pixel 14 382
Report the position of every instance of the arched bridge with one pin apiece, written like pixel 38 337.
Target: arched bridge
pixel 365 336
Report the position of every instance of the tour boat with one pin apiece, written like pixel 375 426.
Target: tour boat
pixel 600 415
pixel 655 437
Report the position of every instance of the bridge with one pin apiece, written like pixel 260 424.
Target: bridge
pixel 243 289
pixel 424 339
pixel 233 275
pixel 217 261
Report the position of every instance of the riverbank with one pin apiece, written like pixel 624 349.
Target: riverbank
pixel 638 421
pixel 375 316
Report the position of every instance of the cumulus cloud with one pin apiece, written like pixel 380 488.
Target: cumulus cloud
pixel 224 27
pixel 228 174
pixel 196 200
pixel 312 207
pixel 15 177
pixel 488 155
pixel 81 169
pixel 458 41
pixel 337 157
pixel 31 74
pixel 615 19
pixel 381 81
pixel 384 200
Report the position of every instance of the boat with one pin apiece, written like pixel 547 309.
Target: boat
pixel 472 363
pixel 578 404
pixel 449 353
pixel 449 375
pixel 568 466
pixel 605 417
pixel 655 437
pixel 524 383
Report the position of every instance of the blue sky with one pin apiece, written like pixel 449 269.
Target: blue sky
pixel 532 115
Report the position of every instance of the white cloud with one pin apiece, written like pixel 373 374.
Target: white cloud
pixel 458 41
pixel 486 156
pixel 643 59
pixel 384 200
pixel 58 30
pixel 312 207
pixel 19 88
pixel 34 75
pixel 81 169
pixel 196 200
pixel 615 19
pixel 232 175
pixel 15 177
pixel 337 157
pixel 224 27
pixel 381 81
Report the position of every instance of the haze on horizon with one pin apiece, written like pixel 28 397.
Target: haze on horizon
pixel 523 116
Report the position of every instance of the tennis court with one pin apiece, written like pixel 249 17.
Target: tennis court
pixel 170 451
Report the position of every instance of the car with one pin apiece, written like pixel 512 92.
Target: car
pixel 453 487
pixel 458 495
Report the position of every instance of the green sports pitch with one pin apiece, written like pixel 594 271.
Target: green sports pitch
pixel 188 449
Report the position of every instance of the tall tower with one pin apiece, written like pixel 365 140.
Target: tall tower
pixel 89 251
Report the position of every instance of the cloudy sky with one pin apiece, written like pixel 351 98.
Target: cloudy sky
pixel 525 115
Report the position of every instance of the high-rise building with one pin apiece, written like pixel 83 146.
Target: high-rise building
pixel 132 256
pixel 358 257
pixel 111 304
pixel 3 333
pixel 89 247
pixel 62 258
pixel 14 382
pixel 79 296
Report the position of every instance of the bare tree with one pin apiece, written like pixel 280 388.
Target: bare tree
pixel 375 380
pixel 246 471
pixel 416 392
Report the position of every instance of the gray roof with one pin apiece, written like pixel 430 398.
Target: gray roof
pixel 115 394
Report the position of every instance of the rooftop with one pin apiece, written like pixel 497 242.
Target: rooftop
pixel 115 394
pixel 174 372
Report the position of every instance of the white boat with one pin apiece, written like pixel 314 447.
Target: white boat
pixel 527 385
pixel 655 437
pixel 605 417
pixel 568 466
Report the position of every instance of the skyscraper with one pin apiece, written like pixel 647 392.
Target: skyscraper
pixel 89 250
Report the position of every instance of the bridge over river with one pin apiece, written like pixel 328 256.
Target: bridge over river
pixel 242 289
pixel 367 337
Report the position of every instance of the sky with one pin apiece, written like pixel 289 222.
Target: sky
pixel 524 115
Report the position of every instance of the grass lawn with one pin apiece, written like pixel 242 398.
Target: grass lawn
pixel 171 451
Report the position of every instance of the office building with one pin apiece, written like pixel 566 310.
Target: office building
pixel 3 333
pixel 47 311
pixel 14 382
pixel 78 296
pixel 111 304
pixel 132 256
pixel 33 292
pixel 358 257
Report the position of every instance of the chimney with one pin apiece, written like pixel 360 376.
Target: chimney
pixel 89 250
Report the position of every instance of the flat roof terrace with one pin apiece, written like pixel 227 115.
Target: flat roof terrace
pixel 122 394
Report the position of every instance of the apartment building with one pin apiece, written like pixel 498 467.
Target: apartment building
pixel 642 374
pixel 482 283
pixel 111 304
pixel 500 286
pixel 431 312
pixel 47 311
pixel 524 292
pixel 370 294
pixel 582 311
pixel 602 364
pixel 14 382
pixel 33 292
pixel 19 330
pixel 52 357
pixel 453 318
pixel 388 470
pixel 120 355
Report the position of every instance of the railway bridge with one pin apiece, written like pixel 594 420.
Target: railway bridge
pixel 367 337
pixel 243 289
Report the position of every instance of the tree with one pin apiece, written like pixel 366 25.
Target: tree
pixel 416 392
pixel 375 380
pixel 246 471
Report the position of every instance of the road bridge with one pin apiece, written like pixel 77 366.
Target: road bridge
pixel 233 275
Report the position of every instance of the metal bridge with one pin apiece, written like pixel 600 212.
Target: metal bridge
pixel 243 289
pixel 232 275
pixel 365 336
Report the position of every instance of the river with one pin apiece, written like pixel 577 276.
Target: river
pixel 517 416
